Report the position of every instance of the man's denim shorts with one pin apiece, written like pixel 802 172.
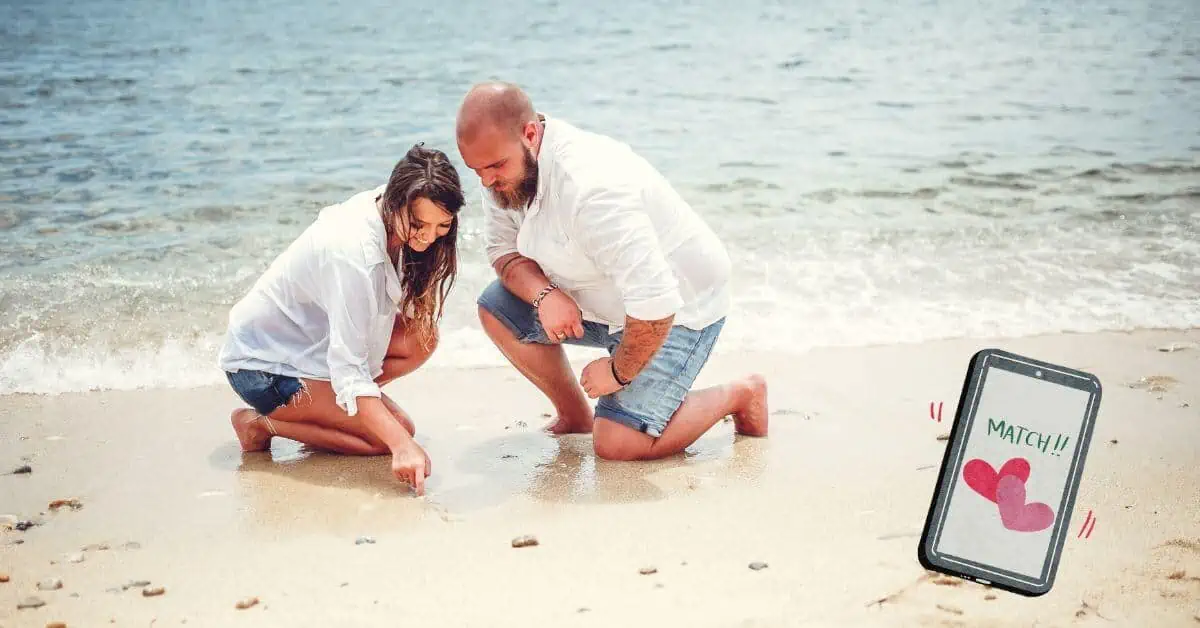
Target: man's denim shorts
pixel 652 398
pixel 265 392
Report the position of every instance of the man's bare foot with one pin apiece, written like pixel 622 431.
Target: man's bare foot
pixel 561 426
pixel 252 435
pixel 751 417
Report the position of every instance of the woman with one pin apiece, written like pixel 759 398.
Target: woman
pixel 352 304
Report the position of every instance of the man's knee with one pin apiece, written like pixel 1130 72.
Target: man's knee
pixel 492 325
pixel 612 444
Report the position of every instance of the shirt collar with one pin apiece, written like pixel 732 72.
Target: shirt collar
pixel 545 160
pixel 375 249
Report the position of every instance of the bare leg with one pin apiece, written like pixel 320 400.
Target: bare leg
pixel 547 368
pixel 746 399
pixel 314 418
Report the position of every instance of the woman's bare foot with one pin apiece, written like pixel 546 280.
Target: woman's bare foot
pixel 751 417
pixel 252 435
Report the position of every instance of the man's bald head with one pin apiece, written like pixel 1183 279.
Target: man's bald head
pixel 494 105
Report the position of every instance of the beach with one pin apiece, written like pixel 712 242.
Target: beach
pixel 833 502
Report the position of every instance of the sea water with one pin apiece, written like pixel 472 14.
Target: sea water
pixel 880 172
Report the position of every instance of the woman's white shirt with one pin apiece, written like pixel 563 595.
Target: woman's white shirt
pixel 325 307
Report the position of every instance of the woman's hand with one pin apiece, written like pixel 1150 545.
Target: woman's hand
pixel 411 464
pixel 560 316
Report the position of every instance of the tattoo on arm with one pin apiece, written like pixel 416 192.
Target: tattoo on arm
pixel 641 341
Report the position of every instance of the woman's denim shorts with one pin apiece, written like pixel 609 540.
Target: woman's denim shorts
pixel 265 392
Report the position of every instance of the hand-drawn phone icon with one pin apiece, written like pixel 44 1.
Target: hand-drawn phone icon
pixel 1002 504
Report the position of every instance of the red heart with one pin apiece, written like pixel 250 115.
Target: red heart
pixel 980 476
pixel 1015 513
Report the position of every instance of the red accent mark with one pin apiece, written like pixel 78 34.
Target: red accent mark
pixel 1088 520
pixel 938 417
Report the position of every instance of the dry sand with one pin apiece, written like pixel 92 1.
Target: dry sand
pixel 833 502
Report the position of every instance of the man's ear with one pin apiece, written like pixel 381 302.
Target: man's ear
pixel 529 133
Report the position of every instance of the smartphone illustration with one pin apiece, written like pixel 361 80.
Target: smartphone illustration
pixel 1001 508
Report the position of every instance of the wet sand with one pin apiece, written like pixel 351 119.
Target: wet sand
pixel 833 502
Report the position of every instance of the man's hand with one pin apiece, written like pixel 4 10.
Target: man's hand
pixel 410 464
pixel 560 316
pixel 597 379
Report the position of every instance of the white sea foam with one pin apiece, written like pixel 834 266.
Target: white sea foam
pixel 769 321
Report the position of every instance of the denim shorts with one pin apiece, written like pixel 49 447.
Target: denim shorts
pixel 265 392
pixel 652 398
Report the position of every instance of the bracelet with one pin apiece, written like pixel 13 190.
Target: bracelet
pixel 542 294
pixel 613 365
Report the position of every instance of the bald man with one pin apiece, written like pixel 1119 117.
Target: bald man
pixel 593 247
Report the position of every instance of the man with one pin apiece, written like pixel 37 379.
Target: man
pixel 592 246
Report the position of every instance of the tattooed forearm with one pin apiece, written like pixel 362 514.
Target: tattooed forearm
pixel 641 341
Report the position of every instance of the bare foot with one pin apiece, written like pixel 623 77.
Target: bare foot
pixel 561 426
pixel 251 435
pixel 751 417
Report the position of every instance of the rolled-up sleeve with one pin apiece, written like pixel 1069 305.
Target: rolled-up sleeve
pixel 618 235
pixel 349 295
pixel 499 231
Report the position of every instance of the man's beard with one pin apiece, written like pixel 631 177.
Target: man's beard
pixel 521 196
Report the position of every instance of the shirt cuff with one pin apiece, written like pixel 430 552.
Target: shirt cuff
pixel 496 252
pixel 656 308
pixel 350 389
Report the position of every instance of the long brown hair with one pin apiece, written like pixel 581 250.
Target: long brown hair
pixel 426 277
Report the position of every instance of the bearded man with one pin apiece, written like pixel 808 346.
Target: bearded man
pixel 592 246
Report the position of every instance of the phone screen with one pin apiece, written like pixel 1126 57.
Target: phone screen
pixel 1011 474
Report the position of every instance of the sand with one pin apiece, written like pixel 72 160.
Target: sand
pixel 833 501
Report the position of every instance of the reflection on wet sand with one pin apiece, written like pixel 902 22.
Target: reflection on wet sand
pixel 357 494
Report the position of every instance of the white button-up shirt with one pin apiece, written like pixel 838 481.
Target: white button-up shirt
pixel 610 231
pixel 325 307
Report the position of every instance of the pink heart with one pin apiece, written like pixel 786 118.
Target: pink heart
pixel 1015 513
pixel 980 475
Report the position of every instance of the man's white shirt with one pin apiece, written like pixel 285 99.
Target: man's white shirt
pixel 611 231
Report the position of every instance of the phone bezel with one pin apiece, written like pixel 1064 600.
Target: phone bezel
pixel 964 417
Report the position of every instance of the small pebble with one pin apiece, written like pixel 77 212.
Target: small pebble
pixel 758 565
pixel 153 591
pixel 583 609
pixel 23 469
pixel 3 577
pixel 246 603
pixel 527 540
pixel 136 584
pixel 95 547
pixel 943 437
pixel 75 558
pixel 645 571
pixel 72 503
pixel 30 602
pixel 22 526
pixel 50 584
pixel 56 624
pixel 132 545
pixel 363 539
pixel 1113 441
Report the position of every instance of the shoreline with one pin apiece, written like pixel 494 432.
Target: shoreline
pixel 833 501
